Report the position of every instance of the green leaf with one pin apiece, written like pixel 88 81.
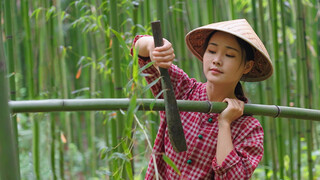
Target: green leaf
pixel 103 152
pixel 170 163
pixel 145 67
pixel 151 84
pixel 122 42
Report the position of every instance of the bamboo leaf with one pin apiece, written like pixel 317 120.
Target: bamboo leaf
pixel 145 67
pixel 117 155
pixel 36 12
pixel 170 163
pixel 122 42
pixel 104 152
pixel 151 84
pixel 154 101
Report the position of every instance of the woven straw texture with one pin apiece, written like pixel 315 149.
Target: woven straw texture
pixel 262 68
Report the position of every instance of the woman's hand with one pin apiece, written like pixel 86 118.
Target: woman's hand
pixel 233 111
pixel 162 56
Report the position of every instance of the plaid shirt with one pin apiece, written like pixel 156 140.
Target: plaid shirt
pixel 201 132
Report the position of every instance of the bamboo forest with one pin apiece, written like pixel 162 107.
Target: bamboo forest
pixel 77 54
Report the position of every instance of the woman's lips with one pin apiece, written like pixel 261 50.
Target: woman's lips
pixel 215 71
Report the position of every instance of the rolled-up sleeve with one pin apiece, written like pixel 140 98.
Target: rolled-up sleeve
pixel 244 158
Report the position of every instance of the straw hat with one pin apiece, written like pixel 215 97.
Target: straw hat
pixel 262 68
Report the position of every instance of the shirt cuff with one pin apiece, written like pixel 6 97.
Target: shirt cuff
pixel 231 160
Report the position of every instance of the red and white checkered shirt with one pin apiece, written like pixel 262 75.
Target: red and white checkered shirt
pixel 201 132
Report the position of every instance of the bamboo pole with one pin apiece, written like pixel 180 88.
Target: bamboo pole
pixel 256 19
pixel 29 59
pixel 12 54
pixel 53 105
pixel 304 61
pixel 9 165
pixel 117 124
pixel 287 85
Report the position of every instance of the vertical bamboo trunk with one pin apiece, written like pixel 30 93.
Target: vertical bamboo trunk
pixel 305 78
pixel 12 56
pixel 30 79
pixel 316 62
pixel 232 10
pixel 95 55
pixel 256 19
pixel 210 12
pixel 276 59
pixel 9 165
pixel 117 79
pixel 63 81
pixel 269 88
pixel 287 88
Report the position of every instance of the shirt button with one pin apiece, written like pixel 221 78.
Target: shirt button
pixel 210 120
pixel 200 136
pixel 189 161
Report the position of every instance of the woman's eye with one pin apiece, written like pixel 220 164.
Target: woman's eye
pixel 231 56
pixel 212 52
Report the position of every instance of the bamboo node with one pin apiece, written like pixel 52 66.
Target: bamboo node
pixel 278 113
pixel 210 107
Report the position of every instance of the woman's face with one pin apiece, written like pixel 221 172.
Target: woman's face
pixel 223 59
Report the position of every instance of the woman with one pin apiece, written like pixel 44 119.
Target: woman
pixel 220 146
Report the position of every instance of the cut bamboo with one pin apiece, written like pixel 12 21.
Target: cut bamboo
pixel 158 105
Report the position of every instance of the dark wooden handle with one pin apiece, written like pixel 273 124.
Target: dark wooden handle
pixel 175 129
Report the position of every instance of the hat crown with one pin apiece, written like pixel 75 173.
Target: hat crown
pixel 262 69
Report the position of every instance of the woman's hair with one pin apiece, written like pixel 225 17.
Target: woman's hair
pixel 247 55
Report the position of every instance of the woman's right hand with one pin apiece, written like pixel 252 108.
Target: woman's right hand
pixel 162 56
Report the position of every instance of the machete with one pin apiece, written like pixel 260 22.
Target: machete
pixel 175 129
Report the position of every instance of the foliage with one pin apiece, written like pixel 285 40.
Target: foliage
pixel 63 49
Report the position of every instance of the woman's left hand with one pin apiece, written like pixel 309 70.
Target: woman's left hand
pixel 233 111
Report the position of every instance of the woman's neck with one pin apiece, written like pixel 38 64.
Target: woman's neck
pixel 219 92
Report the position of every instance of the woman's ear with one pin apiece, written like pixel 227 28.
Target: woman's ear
pixel 248 67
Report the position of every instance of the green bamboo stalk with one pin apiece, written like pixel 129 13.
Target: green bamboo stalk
pixel 287 87
pixel 46 80
pixel 30 80
pixel 210 12
pixel 12 57
pixel 135 17
pixel 63 80
pixel 9 165
pixel 93 79
pixel 272 125
pixel 52 148
pixel 232 11
pixel 315 63
pixel 117 125
pixel 306 91
pixel 145 16
pixel 260 86
pixel 276 59
pixel 314 23
pixel 11 45
pixel 122 103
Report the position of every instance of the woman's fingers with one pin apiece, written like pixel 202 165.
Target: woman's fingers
pixel 164 55
pixel 233 111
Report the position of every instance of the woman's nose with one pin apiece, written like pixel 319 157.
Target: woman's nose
pixel 217 60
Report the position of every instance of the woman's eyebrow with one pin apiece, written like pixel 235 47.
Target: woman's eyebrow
pixel 229 47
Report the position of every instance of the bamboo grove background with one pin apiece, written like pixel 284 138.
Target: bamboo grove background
pixel 81 49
